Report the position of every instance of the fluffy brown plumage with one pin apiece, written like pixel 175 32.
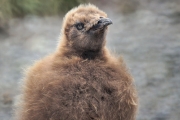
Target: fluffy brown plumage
pixel 80 80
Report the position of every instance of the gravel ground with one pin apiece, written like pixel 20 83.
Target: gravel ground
pixel 148 39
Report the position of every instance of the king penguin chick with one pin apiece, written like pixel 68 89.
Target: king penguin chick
pixel 80 80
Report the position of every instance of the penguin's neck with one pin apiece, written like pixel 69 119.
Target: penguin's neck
pixel 90 54
pixel 84 54
pixel 65 49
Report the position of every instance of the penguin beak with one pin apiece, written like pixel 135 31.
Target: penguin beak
pixel 105 21
pixel 102 23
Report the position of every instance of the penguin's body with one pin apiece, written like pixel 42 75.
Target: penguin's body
pixel 81 80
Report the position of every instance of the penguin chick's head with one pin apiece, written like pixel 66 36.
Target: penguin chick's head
pixel 85 28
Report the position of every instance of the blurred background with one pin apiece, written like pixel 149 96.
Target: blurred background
pixel 145 32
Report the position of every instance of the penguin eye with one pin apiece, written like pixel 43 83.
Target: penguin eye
pixel 79 26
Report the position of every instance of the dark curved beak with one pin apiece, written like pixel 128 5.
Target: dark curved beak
pixel 103 22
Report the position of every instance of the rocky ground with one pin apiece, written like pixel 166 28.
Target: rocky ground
pixel 148 39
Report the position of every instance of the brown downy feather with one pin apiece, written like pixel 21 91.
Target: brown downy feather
pixel 80 80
